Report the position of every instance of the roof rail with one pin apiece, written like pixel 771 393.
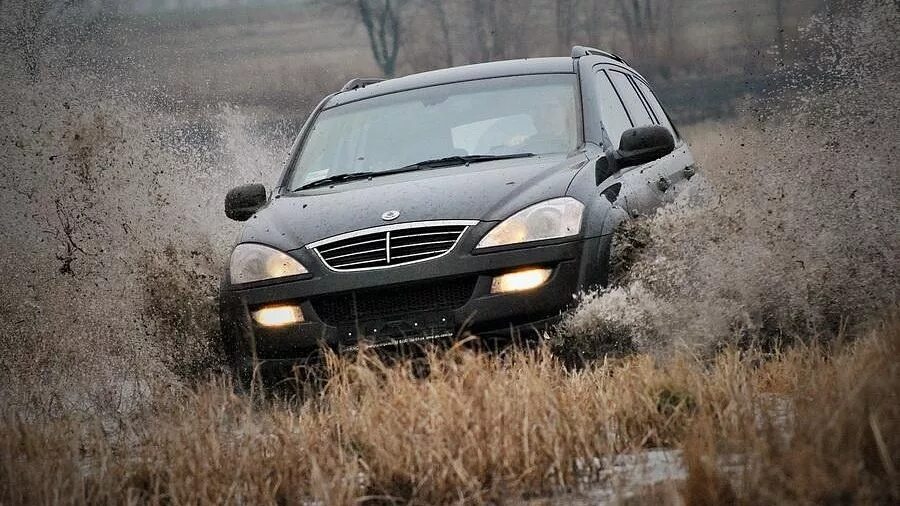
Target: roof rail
pixel 360 82
pixel 579 51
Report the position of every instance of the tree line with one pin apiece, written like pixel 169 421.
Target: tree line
pixel 423 34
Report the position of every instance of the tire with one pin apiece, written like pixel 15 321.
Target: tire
pixel 236 357
pixel 624 249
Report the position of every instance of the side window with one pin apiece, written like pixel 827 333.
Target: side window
pixel 657 108
pixel 637 111
pixel 615 119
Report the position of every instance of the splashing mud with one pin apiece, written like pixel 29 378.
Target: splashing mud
pixel 793 231
pixel 113 235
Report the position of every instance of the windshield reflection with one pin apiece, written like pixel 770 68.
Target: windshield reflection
pixel 499 116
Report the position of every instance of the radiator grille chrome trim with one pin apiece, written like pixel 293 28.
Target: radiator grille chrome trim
pixel 396 254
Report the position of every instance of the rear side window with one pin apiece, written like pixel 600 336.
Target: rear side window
pixel 657 108
pixel 637 111
pixel 615 119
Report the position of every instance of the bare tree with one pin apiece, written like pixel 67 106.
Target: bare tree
pixel 440 14
pixel 484 39
pixel 671 25
pixel 596 21
pixel 652 29
pixel 428 40
pixel 383 22
pixel 500 28
pixel 640 20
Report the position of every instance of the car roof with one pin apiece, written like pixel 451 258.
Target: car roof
pixel 527 66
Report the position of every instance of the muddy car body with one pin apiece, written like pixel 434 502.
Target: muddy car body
pixel 457 215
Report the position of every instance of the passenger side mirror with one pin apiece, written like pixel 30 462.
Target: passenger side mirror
pixel 644 144
pixel 243 201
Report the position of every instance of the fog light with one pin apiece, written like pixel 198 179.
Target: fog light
pixel 520 280
pixel 278 316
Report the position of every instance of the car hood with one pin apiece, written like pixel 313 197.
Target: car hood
pixel 486 191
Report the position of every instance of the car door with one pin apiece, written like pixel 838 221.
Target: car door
pixel 627 188
pixel 678 167
pixel 660 177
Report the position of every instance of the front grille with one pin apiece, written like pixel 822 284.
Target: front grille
pixel 401 302
pixel 390 246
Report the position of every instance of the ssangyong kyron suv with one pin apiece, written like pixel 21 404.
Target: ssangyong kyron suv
pixel 472 199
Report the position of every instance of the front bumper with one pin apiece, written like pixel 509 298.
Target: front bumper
pixel 411 303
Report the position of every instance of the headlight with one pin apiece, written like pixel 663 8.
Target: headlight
pixel 278 316
pixel 550 219
pixel 519 281
pixel 255 262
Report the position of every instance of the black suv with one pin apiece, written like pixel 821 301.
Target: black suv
pixel 472 199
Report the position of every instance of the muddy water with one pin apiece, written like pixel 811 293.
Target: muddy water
pixel 113 238
pixel 793 230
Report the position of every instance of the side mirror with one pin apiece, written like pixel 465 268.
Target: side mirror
pixel 241 202
pixel 644 144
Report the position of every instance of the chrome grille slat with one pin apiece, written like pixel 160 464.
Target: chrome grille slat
pixel 419 244
pixel 346 255
pixel 361 243
pixel 391 245
pixel 410 255
pixel 401 235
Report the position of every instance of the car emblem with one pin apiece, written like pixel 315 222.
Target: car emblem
pixel 390 215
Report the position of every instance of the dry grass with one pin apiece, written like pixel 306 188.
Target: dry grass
pixel 810 425
pixel 834 440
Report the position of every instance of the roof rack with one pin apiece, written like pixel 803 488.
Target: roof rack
pixel 360 82
pixel 579 51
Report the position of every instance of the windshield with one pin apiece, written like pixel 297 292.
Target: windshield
pixel 499 116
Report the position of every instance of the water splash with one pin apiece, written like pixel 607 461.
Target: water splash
pixel 794 230
pixel 114 236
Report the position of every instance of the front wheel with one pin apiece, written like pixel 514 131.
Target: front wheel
pixel 235 352
pixel 623 250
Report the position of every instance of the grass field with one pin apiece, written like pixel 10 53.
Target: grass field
pixel 814 424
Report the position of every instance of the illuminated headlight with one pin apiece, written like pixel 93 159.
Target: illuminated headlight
pixel 278 316
pixel 520 281
pixel 551 219
pixel 255 262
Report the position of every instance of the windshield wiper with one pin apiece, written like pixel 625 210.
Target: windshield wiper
pixel 434 163
pixel 450 161
pixel 337 178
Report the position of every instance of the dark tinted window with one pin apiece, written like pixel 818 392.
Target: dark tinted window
pixel 615 120
pixel 633 103
pixel 654 104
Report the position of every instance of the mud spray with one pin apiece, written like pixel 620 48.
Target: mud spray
pixel 111 223
pixel 113 235
pixel 793 230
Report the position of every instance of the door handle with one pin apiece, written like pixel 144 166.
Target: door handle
pixel 663 184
